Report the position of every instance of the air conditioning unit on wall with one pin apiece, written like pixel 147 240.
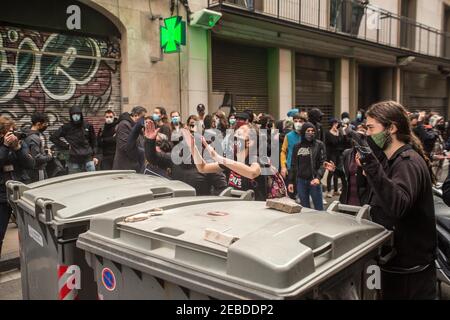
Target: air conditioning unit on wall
pixel 205 18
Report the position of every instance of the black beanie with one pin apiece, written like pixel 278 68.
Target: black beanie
pixel 305 127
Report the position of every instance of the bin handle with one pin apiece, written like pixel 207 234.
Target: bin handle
pixel 322 249
pixel 244 195
pixel 360 212
pixel 12 188
pixel 44 208
pixel 385 259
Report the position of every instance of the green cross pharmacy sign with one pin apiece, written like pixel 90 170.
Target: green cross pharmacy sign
pixel 173 34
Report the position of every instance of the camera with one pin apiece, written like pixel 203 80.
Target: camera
pixel 20 135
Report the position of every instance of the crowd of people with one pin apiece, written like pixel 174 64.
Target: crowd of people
pixel 387 157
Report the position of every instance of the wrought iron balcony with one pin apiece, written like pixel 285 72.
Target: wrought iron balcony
pixel 354 18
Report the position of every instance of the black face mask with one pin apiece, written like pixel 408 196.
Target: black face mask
pixel 2 141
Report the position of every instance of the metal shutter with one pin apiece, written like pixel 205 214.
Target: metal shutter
pixel 427 92
pixel 314 84
pixel 241 71
pixel 50 72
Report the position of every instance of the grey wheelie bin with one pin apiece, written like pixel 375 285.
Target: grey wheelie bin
pixel 209 247
pixel 52 213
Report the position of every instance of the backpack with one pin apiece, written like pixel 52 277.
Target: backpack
pixel 276 188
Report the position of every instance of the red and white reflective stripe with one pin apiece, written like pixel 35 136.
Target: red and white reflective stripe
pixel 68 282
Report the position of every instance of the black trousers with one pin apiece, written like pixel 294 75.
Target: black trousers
pixel 414 286
pixel 107 162
pixel 5 214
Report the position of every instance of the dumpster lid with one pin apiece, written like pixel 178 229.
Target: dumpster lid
pixel 245 243
pixel 82 195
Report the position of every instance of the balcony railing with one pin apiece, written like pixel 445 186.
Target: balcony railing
pixel 354 18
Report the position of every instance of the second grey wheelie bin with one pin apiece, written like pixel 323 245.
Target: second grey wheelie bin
pixel 209 248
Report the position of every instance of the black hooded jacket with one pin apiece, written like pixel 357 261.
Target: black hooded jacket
pixel 401 199
pixel 125 159
pixel 318 156
pixel 107 139
pixel 80 137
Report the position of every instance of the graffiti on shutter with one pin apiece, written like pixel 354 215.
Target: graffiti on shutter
pixel 50 73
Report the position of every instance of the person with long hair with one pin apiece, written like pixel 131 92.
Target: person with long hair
pixel 221 122
pixel 401 200
pixel 175 121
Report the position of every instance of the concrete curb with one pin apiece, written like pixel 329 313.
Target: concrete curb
pixel 9 262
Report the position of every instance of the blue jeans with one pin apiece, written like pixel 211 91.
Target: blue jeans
pixel 305 189
pixel 80 167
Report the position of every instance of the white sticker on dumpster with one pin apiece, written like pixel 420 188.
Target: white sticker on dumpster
pixel 35 236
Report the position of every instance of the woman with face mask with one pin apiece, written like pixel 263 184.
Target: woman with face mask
pixel 232 121
pixel 307 167
pixel 175 121
pixel 401 200
pixel 243 168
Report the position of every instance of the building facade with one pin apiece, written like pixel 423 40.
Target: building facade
pixel 268 55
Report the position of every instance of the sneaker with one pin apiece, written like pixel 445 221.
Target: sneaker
pixel 337 193
pixel 329 195
pixel 325 202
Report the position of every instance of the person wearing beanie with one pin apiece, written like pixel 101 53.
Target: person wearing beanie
pixel 307 167
pixel 315 116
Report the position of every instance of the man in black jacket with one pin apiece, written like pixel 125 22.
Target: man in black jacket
pixel 39 150
pixel 126 159
pixel 107 141
pixel 401 199
pixel 307 167
pixel 15 159
pixel 81 142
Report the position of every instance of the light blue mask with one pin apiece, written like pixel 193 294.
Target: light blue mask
pixel 76 117
pixel 175 120
pixel 156 117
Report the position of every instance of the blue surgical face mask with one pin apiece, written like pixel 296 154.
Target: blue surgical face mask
pixel 156 117
pixel 76 117
pixel 175 120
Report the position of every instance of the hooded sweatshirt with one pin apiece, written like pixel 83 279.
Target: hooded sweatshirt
pixel 125 158
pixel 107 138
pixel 80 137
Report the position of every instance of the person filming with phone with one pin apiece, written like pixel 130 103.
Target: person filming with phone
pixel 401 200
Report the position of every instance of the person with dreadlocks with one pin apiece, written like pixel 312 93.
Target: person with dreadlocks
pixel 401 200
